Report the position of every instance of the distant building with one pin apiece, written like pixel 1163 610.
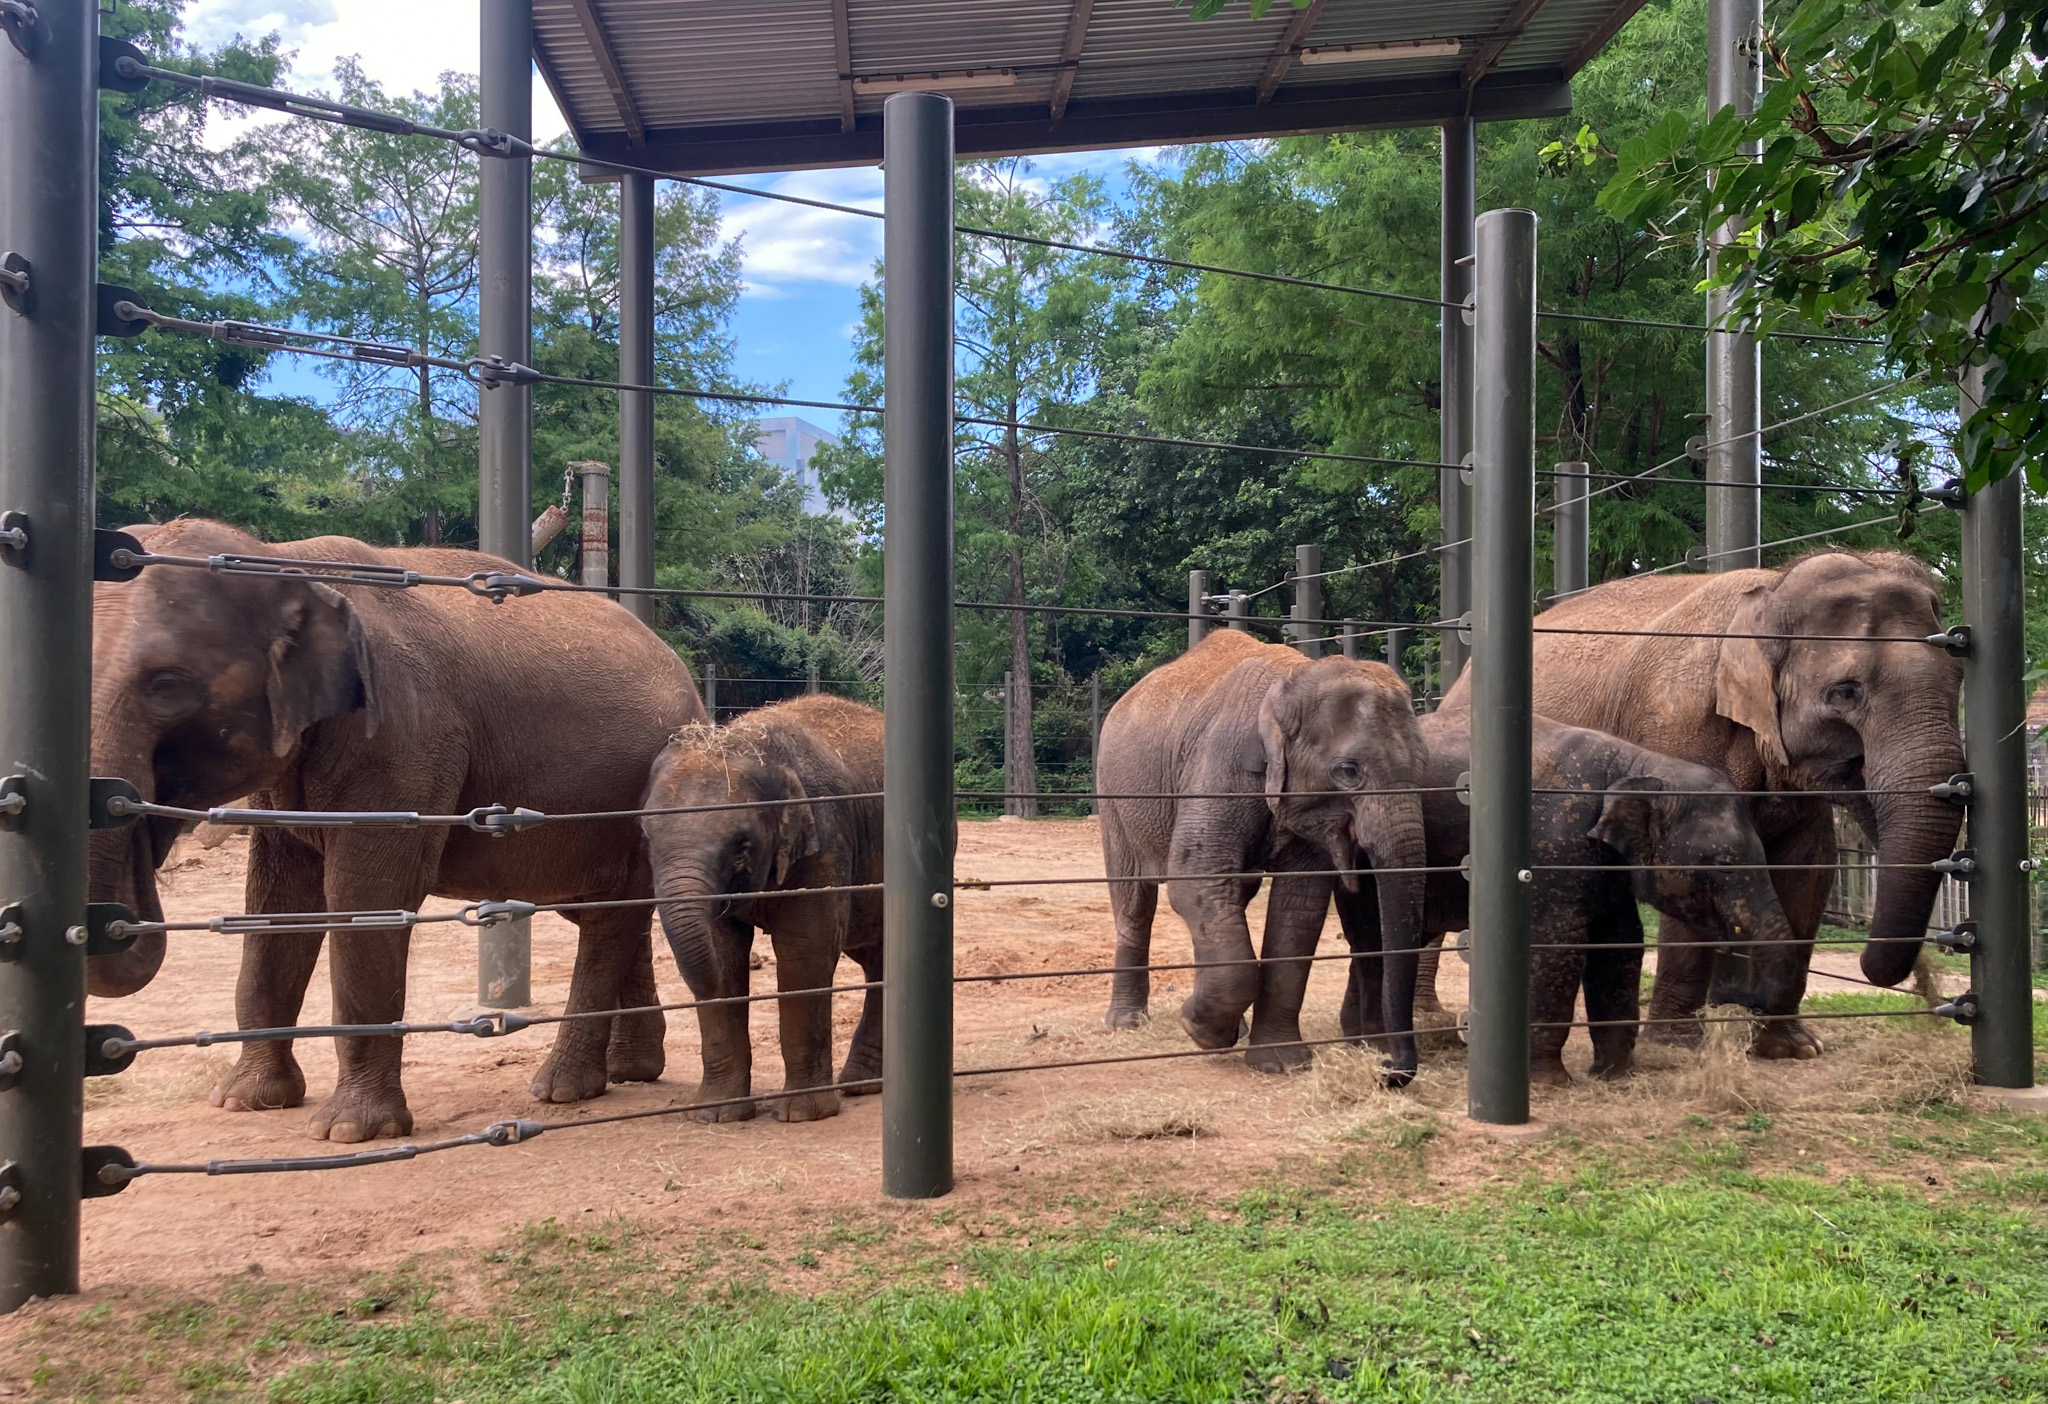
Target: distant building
pixel 790 444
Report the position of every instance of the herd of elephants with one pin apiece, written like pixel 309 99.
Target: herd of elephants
pixel 1684 765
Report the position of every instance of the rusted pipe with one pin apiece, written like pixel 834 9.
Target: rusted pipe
pixel 597 522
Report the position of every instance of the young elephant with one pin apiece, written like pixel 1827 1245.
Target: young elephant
pixel 1619 815
pixel 1280 761
pixel 812 748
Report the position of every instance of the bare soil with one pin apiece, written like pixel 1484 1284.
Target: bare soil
pixel 1191 1124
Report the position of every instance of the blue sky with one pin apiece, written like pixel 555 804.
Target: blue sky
pixel 802 268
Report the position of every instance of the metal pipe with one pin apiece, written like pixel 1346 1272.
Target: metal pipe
pixel 711 692
pixel 1503 483
pixel 1094 733
pixel 49 109
pixel 1347 641
pixel 1454 389
pixel 917 620
pixel 1734 367
pixel 1995 738
pixel 1010 805
pixel 505 412
pixel 811 678
pixel 1397 649
pixel 1570 524
pixel 636 407
pixel 1239 610
pixel 1308 600
pixel 1198 606
pixel 597 522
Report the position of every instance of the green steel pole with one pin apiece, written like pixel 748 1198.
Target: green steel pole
pixel 1308 600
pixel 1503 491
pixel 917 632
pixel 1198 606
pixel 1995 736
pixel 636 407
pixel 49 110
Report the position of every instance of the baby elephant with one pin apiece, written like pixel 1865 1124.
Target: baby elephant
pixel 815 749
pixel 1627 807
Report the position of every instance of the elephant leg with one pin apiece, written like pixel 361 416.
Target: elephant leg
pixel 1296 908
pixel 1804 896
pixel 728 1047
pixel 806 954
pixel 635 1052
pixel 864 1059
pixel 1555 973
pixel 1134 904
pixel 1361 1016
pixel 284 876
pixel 1614 985
pixel 1426 962
pixel 1214 912
pixel 577 1066
pixel 1685 976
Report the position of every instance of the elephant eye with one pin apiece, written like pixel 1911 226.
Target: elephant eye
pixel 1346 772
pixel 170 690
pixel 1846 693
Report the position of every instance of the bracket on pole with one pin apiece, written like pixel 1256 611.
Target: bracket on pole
pixel 1959 939
pixel 11 931
pixel 10 1189
pixel 111 78
pixel 104 546
pixel 1964 1008
pixel 18 18
pixel 1960 865
pixel 100 937
pixel 108 320
pixel 98 1162
pixel 17 289
pixel 13 801
pixel 1957 789
pixel 14 539
pixel 10 1060
pixel 99 1061
pixel 101 812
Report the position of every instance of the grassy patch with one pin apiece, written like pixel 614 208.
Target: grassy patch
pixel 1593 1286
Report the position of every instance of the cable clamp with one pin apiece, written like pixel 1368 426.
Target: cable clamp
pixel 512 1133
pixel 15 288
pixel 498 821
pixel 493 371
pixel 119 311
pixel 11 1062
pixel 108 1169
pixel 1964 1008
pixel 111 803
pixel 492 913
pixel 1951 494
pixel 14 539
pixel 1960 865
pixel 13 801
pixel 495 585
pixel 116 556
pixel 11 931
pixel 1463 785
pixel 489 141
pixel 1956 640
pixel 493 1025
pixel 18 18
pixel 1957 789
pixel 1960 938
pixel 123 67
pixel 110 928
pixel 109 1049
pixel 250 334
pixel 10 1189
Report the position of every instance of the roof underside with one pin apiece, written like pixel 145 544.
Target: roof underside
pixel 703 87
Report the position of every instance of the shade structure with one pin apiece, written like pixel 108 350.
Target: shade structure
pixel 704 87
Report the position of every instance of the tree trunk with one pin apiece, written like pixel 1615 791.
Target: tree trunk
pixel 1022 778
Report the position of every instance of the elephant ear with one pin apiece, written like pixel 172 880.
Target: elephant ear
pixel 319 665
pixel 1276 719
pixel 1628 821
pixel 1746 675
pixel 796 836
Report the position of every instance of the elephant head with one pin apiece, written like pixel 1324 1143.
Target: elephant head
pixel 1880 717
pixel 750 847
pixel 203 689
pixel 1712 875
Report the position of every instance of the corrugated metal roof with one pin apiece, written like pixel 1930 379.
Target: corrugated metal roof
pixel 736 84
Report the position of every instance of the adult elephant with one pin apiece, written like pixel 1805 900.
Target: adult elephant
pixel 1719 674
pixel 1272 763
pixel 329 696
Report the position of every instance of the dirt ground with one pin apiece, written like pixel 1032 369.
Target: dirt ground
pixel 1195 1121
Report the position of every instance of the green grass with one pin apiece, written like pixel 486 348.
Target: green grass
pixel 1720 1285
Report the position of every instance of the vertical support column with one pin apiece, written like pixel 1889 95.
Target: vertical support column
pixel 1504 425
pixel 1240 609
pixel 1397 649
pixel 811 678
pixel 1734 367
pixel 1571 522
pixel 1010 804
pixel 1454 380
pixel 1347 643
pixel 597 522
pixel 1198 606
pixel 917 620
pixel 49 109
pixel 711 692
pixel 636 407
pixel 505 413
pixel 1308 600
pixel 1995 735
pixel 1094 734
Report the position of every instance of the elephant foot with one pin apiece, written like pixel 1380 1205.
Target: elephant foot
pixel 271 1085
pixel 1683 1031
pixel 1278 1058
pixel 813 1105
pixel 1396 1075
pixel 1786 1039
pixel 735 1091
pixel 635 1053
pixel 1548 1072
pixel 1614 1071
pixel 355 1114
pixel 569 1077
pixel 860 1070
pixel 1126 1017
pixel 1210 1032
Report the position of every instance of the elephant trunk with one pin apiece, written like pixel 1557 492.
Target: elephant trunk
pixel 1913 831
pixel 1390 830
pixel 121 867
pixel 1777 960
pixel 686 921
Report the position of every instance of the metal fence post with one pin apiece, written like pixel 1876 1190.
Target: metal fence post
pixel 1995 736
pixel 1504 427
pixel 505 412
pixel 811 678
pixel 1009 760
pixel 1094 731
pixel 917 619
pixel 1397 649
pixel 636 407
pixel 1347 642
pixel 1198 606
pixel 597 522
pixel 1239 609
pixel 49 108
pixel 1454 380
pixel 1734 367
pixel 1570 521
pixel 711 692
pixel 1308 600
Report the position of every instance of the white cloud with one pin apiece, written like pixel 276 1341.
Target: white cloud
pixel 784 245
